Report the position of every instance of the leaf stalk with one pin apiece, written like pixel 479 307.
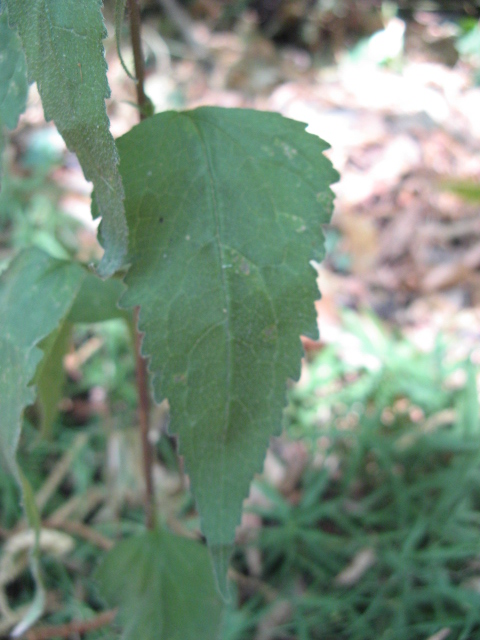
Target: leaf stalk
pixel 139 62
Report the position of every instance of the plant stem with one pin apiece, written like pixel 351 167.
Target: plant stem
pixel 135 36
pixel 140 363
pixel 144 423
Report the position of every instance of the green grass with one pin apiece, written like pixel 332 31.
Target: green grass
pixel 394 475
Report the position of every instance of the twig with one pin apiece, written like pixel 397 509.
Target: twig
pixel 73 361
pixel 78 505
pixel 140 363
pixel 76 627
pixel 82 531
pixel 250 582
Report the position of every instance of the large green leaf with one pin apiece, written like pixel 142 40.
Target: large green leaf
pixel 164 586
pixel 62 41
pixel 225 209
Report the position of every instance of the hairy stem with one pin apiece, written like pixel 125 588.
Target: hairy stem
pixel 140 363
pixel 144 423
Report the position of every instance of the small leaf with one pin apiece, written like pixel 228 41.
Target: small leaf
pixel 65 57
pixel 95 301
pixel 225 209
pixel 50 375
pixel 36 293
pixel 17 369
pixel 40 297
pixel 164 586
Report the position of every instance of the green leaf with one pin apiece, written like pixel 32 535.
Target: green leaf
pixel 36 293
pixel 65 57
pixel 225 209
pixel 164 586
pixel 2 149
pixel 97 300
pixel 40 297
pixel 13 75
pixel 17 369
pixel 13 81
pixel 50 375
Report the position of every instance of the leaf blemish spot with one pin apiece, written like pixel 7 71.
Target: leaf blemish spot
pixel 245 267
pixel 288 151
pixel 323 198
pixel 269 334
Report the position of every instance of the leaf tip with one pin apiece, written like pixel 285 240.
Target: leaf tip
pixel 220 557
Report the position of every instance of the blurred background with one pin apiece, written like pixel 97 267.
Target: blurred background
pixel 366 521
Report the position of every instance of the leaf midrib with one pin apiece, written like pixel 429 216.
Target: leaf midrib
pixel 225 288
